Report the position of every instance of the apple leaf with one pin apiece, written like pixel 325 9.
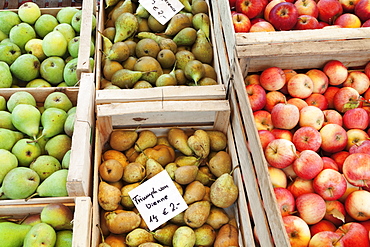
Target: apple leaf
pixel 352 104
pixel 337 214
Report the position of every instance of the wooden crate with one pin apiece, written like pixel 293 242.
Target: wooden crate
pixel 158 93
pixel 14 4
pixel 162 115
pixel 302 47
pixel 80 171
pixel 81 206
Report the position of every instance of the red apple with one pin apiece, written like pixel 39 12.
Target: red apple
pixel 273 98
pixel 269 6
pixel 356 169
pixel 289 73
pixel 311 116
pixel 329 163
pixel 335 212
pixel 356 118
pixel 241 23
pixel 262 26
pixel 308 164
pixel 357 80
pixel 357 205
pixel 306 22
pixel 318 100
pixel 348 5
pixel 362 10
pixel 334 138
pixel 307 7
pixel 348 20
pixel 323 24
pixel 280 153
pixel 355 234
pixel 285 116
pixel 262 119
pixel 321 226
pixel 350 189
pixel 329 10
pixel 326 239
pixel 300 103
pixel 367 69
pixel 356 137
pixel 332 116
pixel 272 78
pixel 311 208
pixel 307 138
pixel 285 201
pixel 346 98
pixel 265 137
pixel 334 69
pixel 301 186
pixel 339 158
pixel 257 19
pixel 330 184
pixel 300 86
pixel 319 79
pixel 283 16
pixel 297 230
pixel 363 147
pixel 289 172
pixel 232 4
pixel 252 79
pixel 366 224
pixel 256 96
pixel 250 8
pixel 329 95
pixel 278 177
pixel 282 134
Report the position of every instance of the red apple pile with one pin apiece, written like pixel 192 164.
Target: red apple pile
pixel 285 15
pixel 314 129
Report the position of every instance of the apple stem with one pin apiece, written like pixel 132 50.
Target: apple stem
pixel 336 241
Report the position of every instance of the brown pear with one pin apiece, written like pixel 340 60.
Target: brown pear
pixel 129 63
pixel 146 139
pixel 227 236
pixel 202 48
pixel 217 217
pixel 122 221
pixel 115 240
pixel 134 172
pixel 206 81
pixel 149 65
pixel 224 191
pixel 161 153
pixel 126 199
pixel 177 23
pixel 118 52
pixel 197 213
pixel 179 140
pixel 142 84
pixel 111 170
pixel 164 235
pixel 182 58
pixel 199 142
pixel 143 24
pixel 194 191
pixel 131 154
pixel 205 236
pixel 199 6
pixel 165 80
pixel 154 25
pixel 147 47
pixel 186 174
pixel 166 58
pixel 111 67
pixel 194 71
pixel 220 163
pixel 109 32
pixel 121 7
pixel 131 46
pixel 109 196
pixel 210 72
pixel 186 36
pixel 181 78
pixel 122 140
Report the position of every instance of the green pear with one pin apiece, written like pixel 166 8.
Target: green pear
pixel 9 52
pixel 3 35
pixel 38 82
pixel 21 33
pixel 223 191
pixel 125 78
pixel 69 124
pixel 45 24
pixel 2 195
pixel 74 45
pixel 64 238
pixel 59 100
pixel 184 236
pixel 26 151
pixel 52 121
pixel 202 48
pixel 41 140
pixel 66 29
pixel 51 69
pixel 20 97
pixel 41 234
pixel 9 138
pixel 54 185
pixel 164 234
pixel 26 62
pixel 66 14
pixel 2 103
pixel 8 19
pixel 26 118
pixel 54 44
pixel 77 21
pixel 66 159
pixel 13 234
pixel 20 183
pixel 58 145
pixel 6 120
pixel 58 215
pixel 6 79
pixel 202 21
pixel 29 12
pixel 8 161
pixel 34 47
pixel 69 73
pixel 45 165
pixel 126 25
pixel 72 110
pixel 194 70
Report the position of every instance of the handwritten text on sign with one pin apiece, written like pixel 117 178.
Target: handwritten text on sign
pixel 158 200
pixel 162 10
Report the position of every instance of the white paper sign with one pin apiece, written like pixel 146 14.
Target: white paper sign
pixel 162 10
pixel 158 200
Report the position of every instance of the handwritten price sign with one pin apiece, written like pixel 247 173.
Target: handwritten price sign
pixel 162 10
pixel 158 200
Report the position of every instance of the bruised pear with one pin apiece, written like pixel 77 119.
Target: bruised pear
pixel 218 139
pixel 224 192
pixel 111 170
pixel 199 142
pixel 109 196
pixel 161 153
pixel 116 155
pixel 227 236
pixel 134 172
pixel 122 221
pixel 197 213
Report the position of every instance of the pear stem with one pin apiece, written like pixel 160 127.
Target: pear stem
pixel 34 194
pixel 232 171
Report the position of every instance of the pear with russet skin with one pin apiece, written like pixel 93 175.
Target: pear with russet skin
pixel 194 192
pixel 202 48
pixel 121 221
pixel 199 142
pixel 186 36
pixel 146 139
pixel 125 78
pixel 122 140
pixel 224 191
pixel 150 67
pixel 164 234
pixel 182 58
pixel 126 26
pixel 139 236
pixel 185 174
pixel 205 235
pixel 26 118
pixel 197 213
pixel 177 23
pixel 199 6
pixel 220 163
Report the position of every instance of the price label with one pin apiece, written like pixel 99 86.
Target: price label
pixel 158 200
pixel 162 10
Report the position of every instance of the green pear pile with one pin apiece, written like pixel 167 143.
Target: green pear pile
pixel 35 145
pixel 39 49
pixel 140 52
pixel 52 227
pixel 201 169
